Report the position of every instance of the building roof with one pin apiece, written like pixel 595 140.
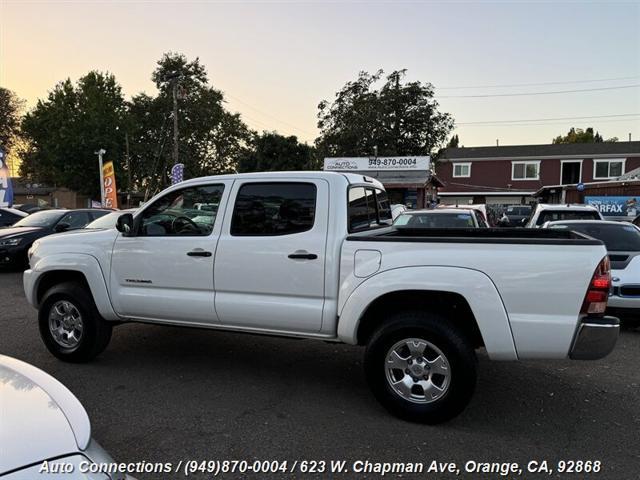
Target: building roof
pixel 543 151
pixel 403 177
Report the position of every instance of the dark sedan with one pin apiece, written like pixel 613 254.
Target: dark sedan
pixel 16 240
pixel 9 216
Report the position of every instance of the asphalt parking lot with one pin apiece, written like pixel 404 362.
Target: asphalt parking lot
pixel 171 394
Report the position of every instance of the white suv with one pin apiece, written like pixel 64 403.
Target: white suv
pixel 552 213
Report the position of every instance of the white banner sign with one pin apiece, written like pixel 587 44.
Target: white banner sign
pixel 346 164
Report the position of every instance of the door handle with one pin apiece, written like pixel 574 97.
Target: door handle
pixel 199 253
pixel 302 255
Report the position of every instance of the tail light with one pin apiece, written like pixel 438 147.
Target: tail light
pixel 595 301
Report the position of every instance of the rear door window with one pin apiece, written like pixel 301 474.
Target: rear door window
pixel 279 208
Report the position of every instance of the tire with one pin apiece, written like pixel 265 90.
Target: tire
pixel 70 307
pixel 454 375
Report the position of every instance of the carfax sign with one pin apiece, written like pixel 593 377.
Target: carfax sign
pixel 615 206
pixel 347 164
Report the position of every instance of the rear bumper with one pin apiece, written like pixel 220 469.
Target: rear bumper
pixel 595 338
pixel 617 301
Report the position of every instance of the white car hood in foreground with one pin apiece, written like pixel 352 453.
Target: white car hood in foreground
pixel 39 417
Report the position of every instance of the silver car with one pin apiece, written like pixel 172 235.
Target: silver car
pixel 44 428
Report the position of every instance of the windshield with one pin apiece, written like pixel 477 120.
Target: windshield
pixel 617 238
pixel 435 220
pixel 46 218
pixel 106 221
pixel 555 215
pixel 518 210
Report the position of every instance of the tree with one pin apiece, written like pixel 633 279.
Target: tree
pixel 65 130
pixel 273 152
pixel 399 118
pixel 578 135
pixel 211 139
pixel 454 142
pixel 10 108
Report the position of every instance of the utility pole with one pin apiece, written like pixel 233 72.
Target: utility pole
pixel 175 120
pixel 100 153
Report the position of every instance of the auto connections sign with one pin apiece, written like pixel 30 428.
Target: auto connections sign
pixel 615 206
pixel 354 164
pixel 6 190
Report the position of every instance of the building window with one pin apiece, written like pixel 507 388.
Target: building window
pixel 461 170
pixel 608 168
pixel 525 170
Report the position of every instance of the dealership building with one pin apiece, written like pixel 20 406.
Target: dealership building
pixel 408 180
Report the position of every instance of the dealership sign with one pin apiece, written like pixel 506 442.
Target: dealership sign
pixel 346 164
pixel 615 206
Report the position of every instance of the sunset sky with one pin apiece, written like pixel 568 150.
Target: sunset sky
pixel 275 61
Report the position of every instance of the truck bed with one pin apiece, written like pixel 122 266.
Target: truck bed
pixel 535 236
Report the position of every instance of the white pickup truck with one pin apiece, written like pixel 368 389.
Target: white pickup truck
pixel 314 255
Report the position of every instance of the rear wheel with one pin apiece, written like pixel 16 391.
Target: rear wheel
pixel 70 325
pixel 421 368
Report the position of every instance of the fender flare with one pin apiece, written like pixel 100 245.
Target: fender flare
pixel 473 285
pixel 82 263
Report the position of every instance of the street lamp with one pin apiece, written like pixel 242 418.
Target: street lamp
pixel 100 153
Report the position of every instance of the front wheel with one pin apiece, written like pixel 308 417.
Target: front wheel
pixel 70 325
pixel 420 367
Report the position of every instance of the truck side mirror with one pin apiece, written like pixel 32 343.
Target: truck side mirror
pixel 124 224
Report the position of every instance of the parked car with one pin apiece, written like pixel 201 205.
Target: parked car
pixel 481 208
pixel 42 421
pixel 441 218
pixel 517 215
pixel 31 207
pixel 9 216
pixel 16 240
pixel 397 209
pixel 313 255
pixel 108 220
pixel 622 240
pixel 551 213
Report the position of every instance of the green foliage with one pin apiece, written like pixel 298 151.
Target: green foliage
pixel 10 108
pixel 273 152
pixel 399 118
pixel 578 135
pixel 211 139
pixel 65 130
pixel 454 142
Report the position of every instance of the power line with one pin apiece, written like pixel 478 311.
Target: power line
pixel 268 115
pixel 541 124
pixel 568 82
pixel 527 94
pixel 548 119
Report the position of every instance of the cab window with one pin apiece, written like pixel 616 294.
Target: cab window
pixel 279 208
pixel 178 214
pixel 367 208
